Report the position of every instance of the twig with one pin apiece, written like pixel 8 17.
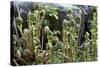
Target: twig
pixel 15 62
pixel 22 60
pixel 64 56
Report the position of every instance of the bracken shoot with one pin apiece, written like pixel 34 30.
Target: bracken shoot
pixel 51 33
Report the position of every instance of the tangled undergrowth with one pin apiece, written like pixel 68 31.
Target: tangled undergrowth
pixel 32 47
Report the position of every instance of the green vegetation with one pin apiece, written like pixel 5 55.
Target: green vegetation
pixel 63 50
